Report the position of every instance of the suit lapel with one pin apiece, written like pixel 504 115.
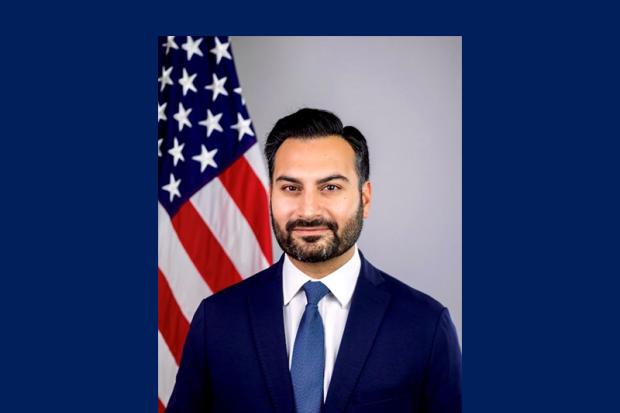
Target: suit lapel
pixel 368 306
pixel 266 317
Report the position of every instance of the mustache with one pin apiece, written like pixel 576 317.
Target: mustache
pixel 318 222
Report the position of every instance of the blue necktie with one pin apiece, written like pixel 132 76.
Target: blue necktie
pixel 308 363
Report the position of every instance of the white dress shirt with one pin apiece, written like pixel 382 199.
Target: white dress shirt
pixel 334 307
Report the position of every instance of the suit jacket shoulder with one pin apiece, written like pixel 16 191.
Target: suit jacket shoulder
pixel 411 358
pixel 233 297
pixel 408 302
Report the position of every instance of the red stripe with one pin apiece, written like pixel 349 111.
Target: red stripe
pixel 171 321
pixel 249 194
pixel 160 406
pixel 203 249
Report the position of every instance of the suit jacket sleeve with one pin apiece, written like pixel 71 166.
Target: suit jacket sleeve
pixel 192 390
pixel 442 388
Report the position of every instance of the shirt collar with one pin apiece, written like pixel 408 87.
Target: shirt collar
pixel 341 282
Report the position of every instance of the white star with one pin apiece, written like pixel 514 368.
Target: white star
pixel 176 152
pixel 192 47
pixel 242 126
pixel 161 111
pixel 221 50
pixel 205 158
pixel 170 44
pixel 187 82
pixel 159 141
pixel 165 78
pixel 212 122
pixel 181 117
pixel 217 87
pixel 172 187
pixel 238 91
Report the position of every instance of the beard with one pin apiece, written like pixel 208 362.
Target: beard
pixel 319 248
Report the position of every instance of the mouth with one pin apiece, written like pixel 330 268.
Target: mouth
pixel 306 231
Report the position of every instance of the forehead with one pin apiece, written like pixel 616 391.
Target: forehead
pixel 314 157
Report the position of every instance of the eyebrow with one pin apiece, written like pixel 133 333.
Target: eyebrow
pixel 332 178
pixel 320 181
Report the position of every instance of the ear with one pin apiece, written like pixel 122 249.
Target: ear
pixel 366 197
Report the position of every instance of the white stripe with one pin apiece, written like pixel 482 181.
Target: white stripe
pixel 187 285
pixel 166 370
pixel 229 227
pixel 257 162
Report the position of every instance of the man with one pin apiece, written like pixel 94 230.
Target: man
pixel 322 330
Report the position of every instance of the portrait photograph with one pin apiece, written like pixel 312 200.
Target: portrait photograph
pixel 309 223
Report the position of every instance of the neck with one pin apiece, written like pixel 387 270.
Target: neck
pixel 318 270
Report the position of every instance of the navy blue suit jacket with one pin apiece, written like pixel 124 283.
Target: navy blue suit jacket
pixel 399 351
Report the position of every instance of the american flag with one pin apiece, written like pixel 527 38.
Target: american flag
pixel 213 219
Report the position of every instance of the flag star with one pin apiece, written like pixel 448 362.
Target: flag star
pixel 217 87
pixel 176 152
pixel 192 47
pixel 242 126
pixel 159 141
pixel 170 44
pixel 212 122
pixel 165 78
pixel 221 50
pixel 172 187
pixel 187 82
pixel 238 90
pixel 181 117
pixel 205 158
pixel 161 111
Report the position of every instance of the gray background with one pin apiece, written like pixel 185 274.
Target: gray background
pixel 404 94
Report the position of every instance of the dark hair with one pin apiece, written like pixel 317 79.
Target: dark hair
pixel 309 123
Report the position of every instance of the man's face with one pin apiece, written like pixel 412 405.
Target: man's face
pixel 317 208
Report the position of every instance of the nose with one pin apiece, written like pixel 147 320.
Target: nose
pixel 310 205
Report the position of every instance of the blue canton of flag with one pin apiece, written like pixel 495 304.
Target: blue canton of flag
pixel 203 124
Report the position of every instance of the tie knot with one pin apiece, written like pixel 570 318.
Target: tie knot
pixel 315 290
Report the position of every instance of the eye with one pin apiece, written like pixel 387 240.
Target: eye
pixel 331 188
pixel 290 188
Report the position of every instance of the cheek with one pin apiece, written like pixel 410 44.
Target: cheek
pixel 282 208
pixel 344 208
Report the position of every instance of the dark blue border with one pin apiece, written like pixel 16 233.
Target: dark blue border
pixel 540 196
